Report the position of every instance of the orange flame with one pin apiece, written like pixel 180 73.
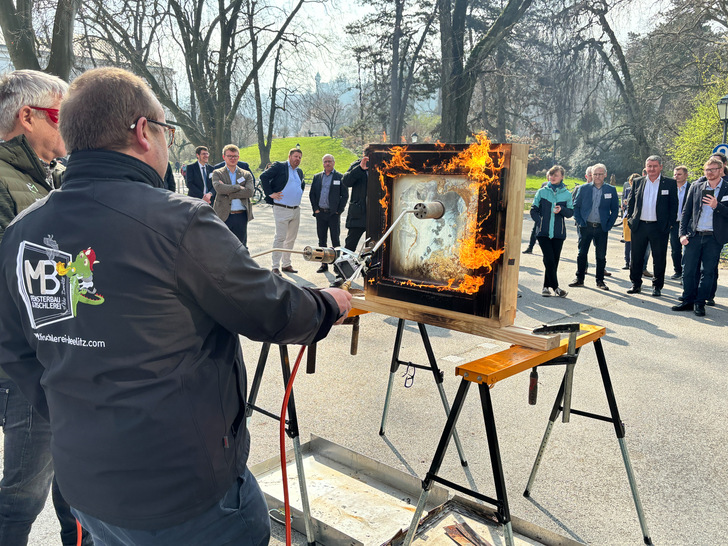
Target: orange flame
pixel 384 136
pixel 481 168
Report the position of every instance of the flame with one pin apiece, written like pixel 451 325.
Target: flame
pixel 478 163
pixel 403 140
pixel 384 136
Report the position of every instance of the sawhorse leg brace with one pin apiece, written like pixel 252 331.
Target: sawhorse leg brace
pixel 488 371
pixel 437 374
pixel 291 426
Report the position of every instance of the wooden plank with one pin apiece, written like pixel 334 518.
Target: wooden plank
pixel 499 366
pixel 515 195
pixel 460 322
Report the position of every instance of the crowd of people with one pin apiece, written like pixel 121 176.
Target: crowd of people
pixel 657 210
pixel 229 186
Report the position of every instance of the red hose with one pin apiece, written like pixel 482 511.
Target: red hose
pixel 286 502
pixel 79 533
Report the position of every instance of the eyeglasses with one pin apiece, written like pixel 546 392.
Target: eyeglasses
pixel 52 112
pixel 713 169
pixel 168 129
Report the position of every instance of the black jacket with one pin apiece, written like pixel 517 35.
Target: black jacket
pixel 338 194
pixel 124 329
pixel 693 205
pixel 666 207
pixel 194 180
pixel 356 179
pixel 275 179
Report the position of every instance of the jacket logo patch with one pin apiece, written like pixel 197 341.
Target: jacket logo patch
pixel 52 283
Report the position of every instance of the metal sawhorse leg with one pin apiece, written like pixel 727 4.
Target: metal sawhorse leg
pixel 436 372
pixel 291 426
pixel 561 404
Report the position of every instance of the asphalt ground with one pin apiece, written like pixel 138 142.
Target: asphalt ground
pixel 669 375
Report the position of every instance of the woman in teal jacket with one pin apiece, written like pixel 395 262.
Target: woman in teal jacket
pixel 551 206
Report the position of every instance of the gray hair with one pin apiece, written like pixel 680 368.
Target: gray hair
pixel 599 166
pixel 327 155
pixel 654 158
pixel 588 170
pixel 26 88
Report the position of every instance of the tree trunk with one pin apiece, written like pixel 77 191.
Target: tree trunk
pixel 395 87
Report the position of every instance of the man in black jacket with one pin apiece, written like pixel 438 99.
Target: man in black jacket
pixel 651 211
pixel 283 187
pixel 356 219
pixel 120 309
pixel 199 174
pixel 703 232
pixel 328 200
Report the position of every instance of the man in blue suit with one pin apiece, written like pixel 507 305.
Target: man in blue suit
pixel 595 209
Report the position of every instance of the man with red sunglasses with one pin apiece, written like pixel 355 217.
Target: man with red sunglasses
pixel 29 103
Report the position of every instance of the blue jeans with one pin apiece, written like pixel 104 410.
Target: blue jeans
pixel 240 518
pixel 701 250
pixel 27 471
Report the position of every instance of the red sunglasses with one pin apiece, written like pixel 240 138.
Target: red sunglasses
pixel 52 112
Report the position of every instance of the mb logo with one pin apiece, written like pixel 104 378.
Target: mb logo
pixel 46 294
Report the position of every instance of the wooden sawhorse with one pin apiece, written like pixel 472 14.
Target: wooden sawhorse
pixel 488 371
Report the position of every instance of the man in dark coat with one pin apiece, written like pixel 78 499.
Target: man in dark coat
pixel 356 219
pixel 199 174
pixel 328 200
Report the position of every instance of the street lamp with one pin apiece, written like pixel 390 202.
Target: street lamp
pixel 723 114
pixel 414 138
pixel 555 134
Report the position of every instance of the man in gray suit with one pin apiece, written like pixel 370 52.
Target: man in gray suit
pixel 234 187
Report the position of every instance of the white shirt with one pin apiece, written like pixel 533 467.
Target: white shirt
pixel 649 200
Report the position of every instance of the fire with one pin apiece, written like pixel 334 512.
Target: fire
pixel 482 169
pixel 384 136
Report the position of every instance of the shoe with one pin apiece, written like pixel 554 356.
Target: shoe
pixel 647 274
pixel 288 269
pixel 676 276
pixel 634 290
pixel 626 267
pixel 576 282
pixel 276 271
pixel 336 283
pixel 602 286
pixel 699 310
pixel 546 292
pixel 681 298
pixel 683 307
pixel 560 293
pixel 710 303
pixel 607 274
pixel 323 268
pixel 656 293
pixel 529 250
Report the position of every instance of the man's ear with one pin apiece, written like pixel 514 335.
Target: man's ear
pixel 142 133
pixel 26 119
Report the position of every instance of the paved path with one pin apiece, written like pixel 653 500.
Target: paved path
pixel 669 376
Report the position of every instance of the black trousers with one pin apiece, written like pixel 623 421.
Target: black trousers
pixel 599 237
pixel 649 233
pixel 551 250
pixel 676 249
pixel 352 237
pixel 238 224
pixel 328 221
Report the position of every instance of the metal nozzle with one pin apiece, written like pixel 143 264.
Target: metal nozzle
pixel 318 254
pixel 429 209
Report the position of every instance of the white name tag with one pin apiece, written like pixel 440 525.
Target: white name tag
pixel 209 175
pixel 337 183
pixel 608 196
pixel 725 198
pixel 241 179
pixel 665 192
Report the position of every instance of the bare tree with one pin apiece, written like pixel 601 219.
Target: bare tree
pixel 16 21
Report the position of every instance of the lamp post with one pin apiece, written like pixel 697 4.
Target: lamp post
pixel 723 114
pixel 555 134
pixel 414 137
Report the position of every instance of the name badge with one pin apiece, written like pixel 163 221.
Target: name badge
pixel 608 196
pixel 665 192
pixel 241 179
pixel 337 183
pixel 209 175
pixel 725 198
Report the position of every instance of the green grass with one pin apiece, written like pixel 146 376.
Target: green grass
pixel 533 182
pixel 313 148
